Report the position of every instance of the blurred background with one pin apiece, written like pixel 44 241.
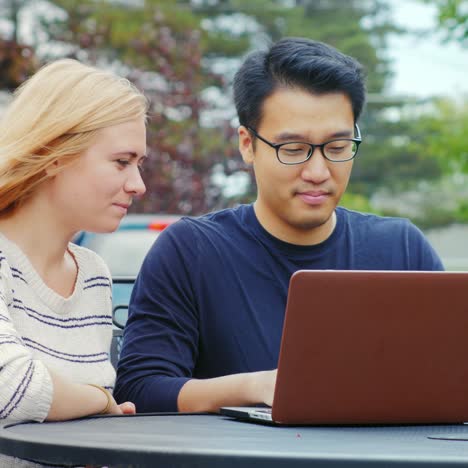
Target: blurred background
pixel 183 55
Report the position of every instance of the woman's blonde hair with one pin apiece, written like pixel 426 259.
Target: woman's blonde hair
pixel 55 115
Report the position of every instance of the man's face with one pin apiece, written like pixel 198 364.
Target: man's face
pixel 296 203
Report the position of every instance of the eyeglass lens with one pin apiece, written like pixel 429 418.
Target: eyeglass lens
pixel 336 150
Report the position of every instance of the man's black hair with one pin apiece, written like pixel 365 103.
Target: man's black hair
pixel 296 63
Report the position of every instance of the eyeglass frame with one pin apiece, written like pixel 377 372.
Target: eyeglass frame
pixel 357 139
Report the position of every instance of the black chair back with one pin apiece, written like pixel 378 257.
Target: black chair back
pixel 116 346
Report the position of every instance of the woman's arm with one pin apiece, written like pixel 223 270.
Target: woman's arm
pixel 31 391
pixel 71 400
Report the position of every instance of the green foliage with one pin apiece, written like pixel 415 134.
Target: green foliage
pixel 337 22
pixel 389 155
pixel 357 202
pixel 461 213
pixel 436 217
pixel 437 140
pixel 17 60
pixel 452 18
pixel 445 135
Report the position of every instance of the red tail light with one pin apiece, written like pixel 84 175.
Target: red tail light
pixel 158 225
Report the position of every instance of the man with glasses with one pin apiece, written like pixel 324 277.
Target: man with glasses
pixel 207 309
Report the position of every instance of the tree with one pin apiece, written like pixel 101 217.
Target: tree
pixel 444 135
pixel 339 23
pixel 159 47
pixel 11 9
pixel 437 134
pixel 356 27
pixel 452 18
pixel 173 50
pixel 388 157
pixel 17 60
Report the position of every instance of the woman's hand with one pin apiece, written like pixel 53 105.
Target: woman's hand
pixel 127 407
pixel 124 408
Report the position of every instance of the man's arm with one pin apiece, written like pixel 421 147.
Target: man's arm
pixel 422 255
pixel 162 337
pixel 230 390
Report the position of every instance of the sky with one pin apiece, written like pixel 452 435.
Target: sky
pixel 423 65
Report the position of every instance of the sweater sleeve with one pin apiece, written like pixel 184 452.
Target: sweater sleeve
pixel 160 345
pixel 26 387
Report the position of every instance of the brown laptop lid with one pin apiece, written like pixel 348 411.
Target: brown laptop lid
pixel 374 347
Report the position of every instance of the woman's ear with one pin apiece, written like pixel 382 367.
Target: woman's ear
pixel 51 169
pixel 245 145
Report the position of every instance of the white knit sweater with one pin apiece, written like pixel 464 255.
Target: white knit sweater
pixel 40 330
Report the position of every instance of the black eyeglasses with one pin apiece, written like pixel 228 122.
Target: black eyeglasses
pixel 298 152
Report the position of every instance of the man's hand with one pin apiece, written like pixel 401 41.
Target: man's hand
pixel 249 388
pixel 264 386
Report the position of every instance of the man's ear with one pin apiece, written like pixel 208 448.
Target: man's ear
pixel 245 145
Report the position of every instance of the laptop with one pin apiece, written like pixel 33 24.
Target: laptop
pixel 371 347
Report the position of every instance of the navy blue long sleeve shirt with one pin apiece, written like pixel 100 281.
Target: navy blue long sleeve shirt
pixel 211 295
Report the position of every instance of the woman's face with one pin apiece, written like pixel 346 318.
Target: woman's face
pixel 95 192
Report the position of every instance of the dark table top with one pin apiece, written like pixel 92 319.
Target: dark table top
pixel 175 441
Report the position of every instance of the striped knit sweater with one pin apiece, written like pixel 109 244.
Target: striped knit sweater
pixel 40 329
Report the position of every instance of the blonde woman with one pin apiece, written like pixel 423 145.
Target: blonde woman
pixel 71 146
